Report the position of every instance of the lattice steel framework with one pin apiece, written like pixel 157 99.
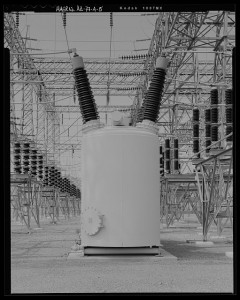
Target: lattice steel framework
pixel 199 46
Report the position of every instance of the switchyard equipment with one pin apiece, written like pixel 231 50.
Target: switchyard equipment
pixel 200 47
pixel 120 174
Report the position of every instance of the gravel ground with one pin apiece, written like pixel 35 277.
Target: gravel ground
pixel 40 263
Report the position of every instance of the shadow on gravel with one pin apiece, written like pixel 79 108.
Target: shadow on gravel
pixel 186 251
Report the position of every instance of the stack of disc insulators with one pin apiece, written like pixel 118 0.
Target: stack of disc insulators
pixel 26 157
pixel 40 167
pixel 65 185
pixel 55 180
pixel 175 156
pixel 196 131
pixel 17 158
pixel 207 129
pixel 33 164
pixel 214 115
pixel 51 176
pixel 59 179
pixel 46 175
pixel 154 94
pixel 229 119
pixel 161 160
pixel 167 156
pixel 61 184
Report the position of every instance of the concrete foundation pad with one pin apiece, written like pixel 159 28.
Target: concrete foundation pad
pixel 161 254
pixel 75 254
pixel 229 254
pixel 120 250
pixel 200 243
pixel 204 243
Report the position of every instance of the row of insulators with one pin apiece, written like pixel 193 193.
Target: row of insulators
pixel 129 89
pixel 214 97
pixel 142 56
pixel 64 19
pixel 27 161
pixel 17 19
pixel 176 165
pixel 53 178
pixel 118 74
pixel 196 131
pixel 228 113
pixel 161 161
pixel 111 19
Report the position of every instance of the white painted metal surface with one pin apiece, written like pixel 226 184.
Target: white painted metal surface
pixel 121 181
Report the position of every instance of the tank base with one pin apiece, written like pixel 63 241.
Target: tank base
pixel 121 250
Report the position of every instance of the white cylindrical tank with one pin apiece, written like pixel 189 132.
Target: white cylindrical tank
pixel 120 188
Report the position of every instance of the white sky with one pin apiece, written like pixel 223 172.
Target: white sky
pixel 89 33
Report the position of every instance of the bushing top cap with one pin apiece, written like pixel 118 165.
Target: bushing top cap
pixel 77 62
pixel 162 63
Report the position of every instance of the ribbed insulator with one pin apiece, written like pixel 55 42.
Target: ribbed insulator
pixel 228 96
pixel 64 19
pixel 195 146
pixel 51 176
pixel 61 185
pixel 175 153
pixel 208 130
pixel 17 158
pixel 229 130
pixel 26 157
pixel 207 143
pixel 111 19
pixel 167 143
pixel 196 130
pixel 167 154
pixel 207 115
pixel 176 165
pixel 214 115
pixel 86 100
pixel 195 115
pixel 161 161
pixel 153 99
pixel 175 143
pixel 228 112
pixel 214 133
pixel 45 180
pixel 214 96
pixel 167 166
pixel 17 19
pixel 17 148
pixel 33 162
pixel 40 167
